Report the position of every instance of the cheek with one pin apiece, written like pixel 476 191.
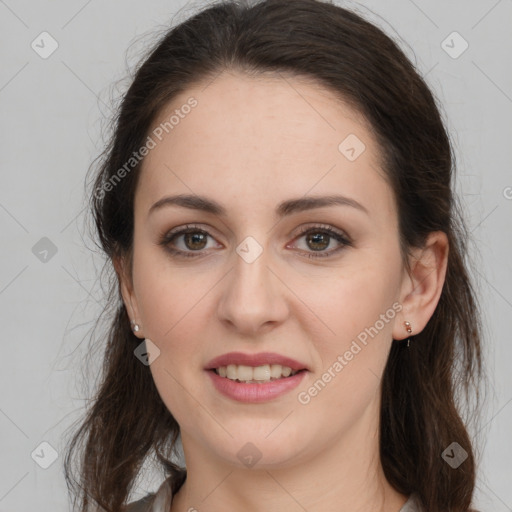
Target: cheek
pixel 357 308
pixel 354 353
pixel 172 308
pixel 166 295
pixel 352 300
pixel 171 304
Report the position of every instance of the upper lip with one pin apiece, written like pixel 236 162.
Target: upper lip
pixel 259 359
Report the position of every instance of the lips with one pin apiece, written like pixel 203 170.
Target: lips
pixel 250 393
pixel 260 359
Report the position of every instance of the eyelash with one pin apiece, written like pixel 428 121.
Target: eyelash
pixel 169 237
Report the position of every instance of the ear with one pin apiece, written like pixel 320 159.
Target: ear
pixel 422 284
pixel 122 267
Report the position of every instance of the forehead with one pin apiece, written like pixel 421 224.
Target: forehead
pixel 270 137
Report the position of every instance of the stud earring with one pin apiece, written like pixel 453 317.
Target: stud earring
pixel 409 331
pixel 135 327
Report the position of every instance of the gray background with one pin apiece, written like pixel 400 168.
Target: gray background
pixel 53 111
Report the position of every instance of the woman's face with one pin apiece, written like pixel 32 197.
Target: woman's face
pixel 261 274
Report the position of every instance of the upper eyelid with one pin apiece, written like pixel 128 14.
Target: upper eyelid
pixel 297 231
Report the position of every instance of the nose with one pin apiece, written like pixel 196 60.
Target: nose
pixel 253 299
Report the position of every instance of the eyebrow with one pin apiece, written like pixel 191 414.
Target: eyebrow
pixel 285 208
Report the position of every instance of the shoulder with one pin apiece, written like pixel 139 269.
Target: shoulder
pixel 153 502
pixel 412 504
pixel 145 504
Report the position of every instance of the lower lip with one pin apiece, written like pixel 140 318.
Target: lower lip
pixel 255 393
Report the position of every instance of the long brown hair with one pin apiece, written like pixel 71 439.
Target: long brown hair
pixel 423 385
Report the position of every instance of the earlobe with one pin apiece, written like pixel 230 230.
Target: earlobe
pixel 423 284
pixel 126 288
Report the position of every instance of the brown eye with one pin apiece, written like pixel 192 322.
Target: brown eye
pixel 318 239
pixel 195 240
pixel 190 241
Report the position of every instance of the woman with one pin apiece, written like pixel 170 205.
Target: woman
pixel 291 299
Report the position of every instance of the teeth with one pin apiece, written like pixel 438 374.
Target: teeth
pixel 276 371
pixel 264 373
pixel 231 372
pixel 242 372
pixel 261 372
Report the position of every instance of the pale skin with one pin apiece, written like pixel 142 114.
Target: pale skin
pixel 249 145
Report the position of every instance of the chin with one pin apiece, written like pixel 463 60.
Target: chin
pixel 259 451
